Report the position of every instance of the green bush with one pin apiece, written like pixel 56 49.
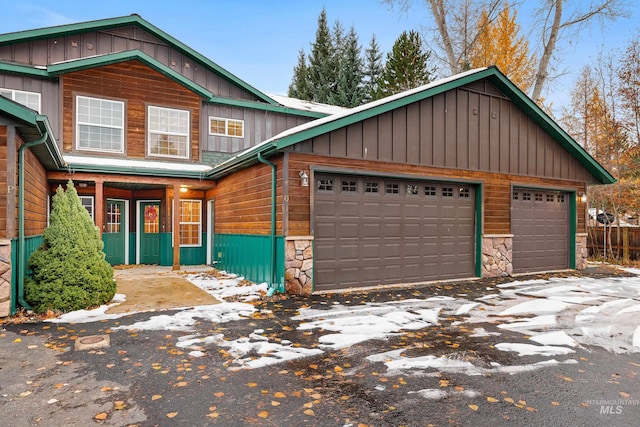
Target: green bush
pixel 69 268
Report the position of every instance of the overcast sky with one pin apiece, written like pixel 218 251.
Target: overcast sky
pixel 259 40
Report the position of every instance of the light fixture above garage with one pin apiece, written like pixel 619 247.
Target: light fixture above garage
pixel 304 179
pixel 582 197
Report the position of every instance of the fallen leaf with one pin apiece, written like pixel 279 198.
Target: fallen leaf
pixel 182 384
pixel 625 395
pixel 101 416
pixel 213 415
pixel 473 407
pixel 218 394
pixel 310 412
pixel 119 405
pixel 105 388
pixel 458 388
pixel 263 414
pixel 308 405
pixel 492 399
pixel 510 400
pixel 172 414
pixel 555 403
pixel 275 403
pixel 25 393
pixel 530 409
pixel 444 383
pixel 252 384
pixel 279 395
pixel 52 401
pixel 18 340
pixel 156 397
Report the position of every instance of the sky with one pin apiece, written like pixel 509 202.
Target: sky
pixel 259 40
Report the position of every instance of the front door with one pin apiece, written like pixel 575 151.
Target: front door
pixel 114 233
pixel 149 233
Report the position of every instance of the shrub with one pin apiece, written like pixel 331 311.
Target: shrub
pixel 69 268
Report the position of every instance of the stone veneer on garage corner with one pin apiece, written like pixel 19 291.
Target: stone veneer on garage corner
pixel 497 255
pixel 298 274
pixel 5 278
pixel 582 251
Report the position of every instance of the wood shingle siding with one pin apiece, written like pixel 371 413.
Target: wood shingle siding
pixel 139 87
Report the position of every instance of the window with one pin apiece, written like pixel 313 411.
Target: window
pixel 538 197
pixel 371 187
pixel 429 190
pixel 28 99
pixel 464 193
pixel 526 196
pixel 169 131
pixel 87 203
pixel 515 195
pixel 392 188
pixel 550 198
pixel 412 190
pixel 349 186
pixel 226 127
pixel 447 192
pixel 190 224
pixel 325 185
pixel 113 218
pixel 560 198
pixel 99 124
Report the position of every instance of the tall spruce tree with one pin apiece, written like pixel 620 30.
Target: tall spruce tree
pixel 372 70
pixel 349 91
pixel 69 268
pixel 321 66
pixel 299 87
pixel 407 65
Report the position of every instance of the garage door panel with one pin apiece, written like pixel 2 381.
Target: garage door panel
pixel 402 234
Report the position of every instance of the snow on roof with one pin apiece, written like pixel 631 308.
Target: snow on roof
pixel 138 164
pixel 300 104
pixel 351 111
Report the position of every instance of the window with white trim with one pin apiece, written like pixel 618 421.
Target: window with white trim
pixel 190 222
pixel 28 99
pixel 87 203
pixel 99 124
pixel 226 127
pixel 168 132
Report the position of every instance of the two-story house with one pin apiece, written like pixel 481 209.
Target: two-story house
pixel 180 162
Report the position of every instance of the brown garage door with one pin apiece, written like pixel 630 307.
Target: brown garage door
pixel 372 231
pixel 540 227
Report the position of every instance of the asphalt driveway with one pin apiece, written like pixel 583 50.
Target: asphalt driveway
pixel 434 355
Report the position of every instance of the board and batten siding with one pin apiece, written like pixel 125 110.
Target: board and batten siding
pixel 139 87
pixel 82 45
pixel 48 90
pixel 458 129
pixel 243 201
pixel 258 126
pixel 496 188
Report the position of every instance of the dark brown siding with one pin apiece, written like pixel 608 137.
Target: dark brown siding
pixel 258 126
pixel 496 197
pixel 64 48
pixel 458 129
pixel 137 85
pixel 243 201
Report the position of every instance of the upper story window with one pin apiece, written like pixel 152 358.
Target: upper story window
pixel 226 127
pixel 168 132
pixel 99 124
pixel 28 99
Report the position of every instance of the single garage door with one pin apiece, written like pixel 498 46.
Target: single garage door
pixel 377 231
pixel 540 227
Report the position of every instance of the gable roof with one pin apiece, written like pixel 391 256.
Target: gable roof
pixel 33 126
pixel 363 112
pixel 123 21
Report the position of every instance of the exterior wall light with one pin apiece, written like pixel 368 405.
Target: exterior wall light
pixel 583 198
pixel 304 179
pixel 183 189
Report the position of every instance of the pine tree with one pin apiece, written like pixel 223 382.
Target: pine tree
pixel 372 71
pixel 299 87
pixel 69 268
pixel 349 90
pixel 406 66
pixel 321 66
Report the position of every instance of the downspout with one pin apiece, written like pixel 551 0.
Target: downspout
pixel 272 286
pixel 21 239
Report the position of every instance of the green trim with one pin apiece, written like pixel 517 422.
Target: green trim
pixel 573 227
pixel 114 58
pixel 127 170
pixel 479 227
pixel 136 20
pixel 242 103
pixel 19 112
pixel 23 69
pixel 358 114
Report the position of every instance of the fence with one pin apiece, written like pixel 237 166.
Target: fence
pixel 623 242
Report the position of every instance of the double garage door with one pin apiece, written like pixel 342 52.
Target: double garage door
pixel 377 231
pixel 540 227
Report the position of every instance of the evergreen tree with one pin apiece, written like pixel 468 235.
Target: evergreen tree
pixel 69 268
pixel 299 87
pixel 321 66
pixel 372 71
pixel 349 91
pixel 406 66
